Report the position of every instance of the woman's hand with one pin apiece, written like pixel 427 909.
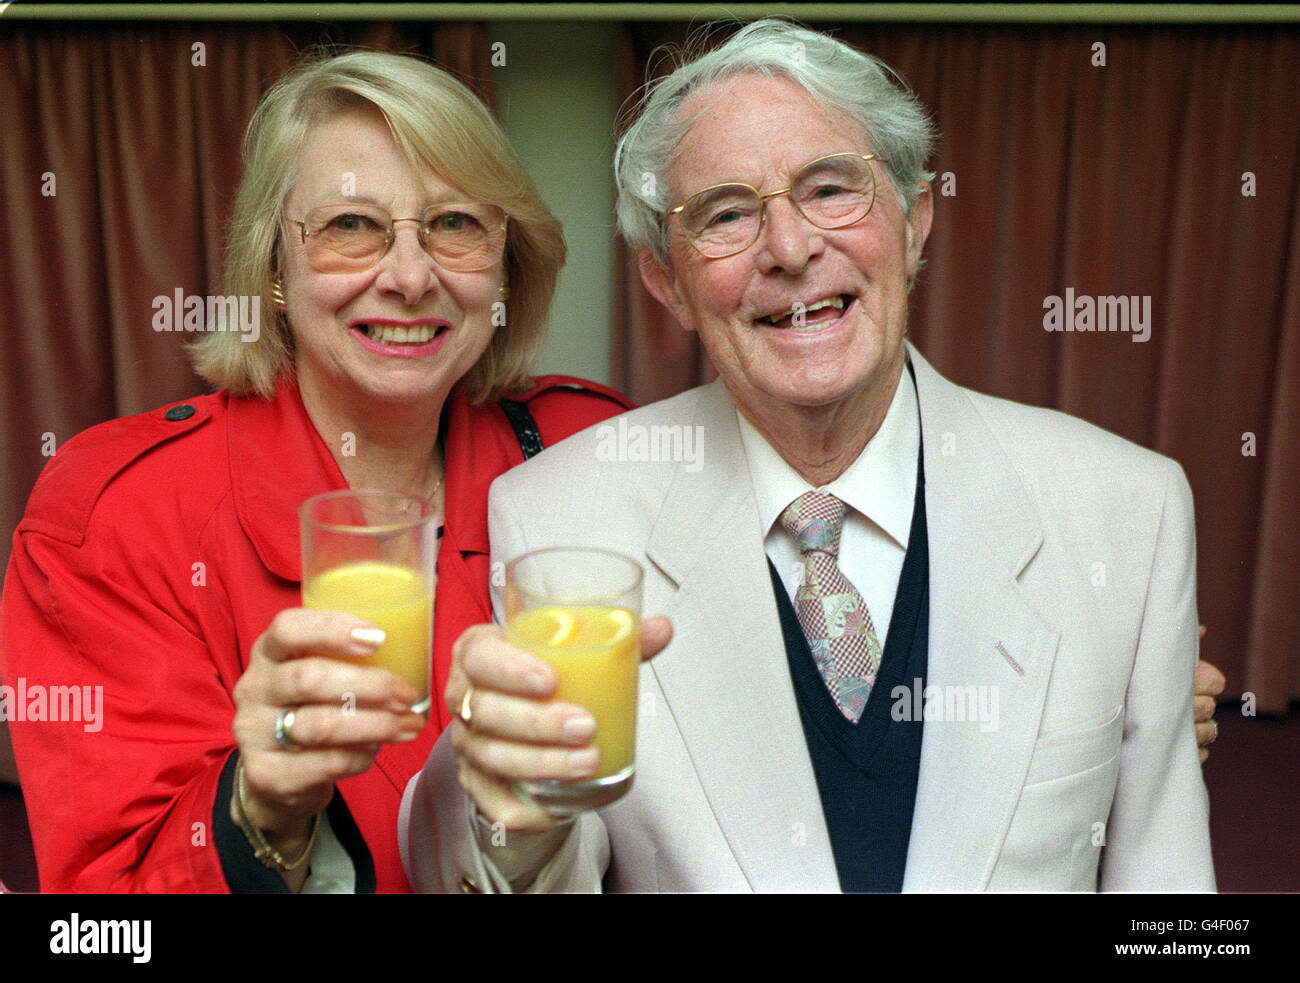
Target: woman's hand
pixel 1208 684
pixel 343 713
pixel 516 734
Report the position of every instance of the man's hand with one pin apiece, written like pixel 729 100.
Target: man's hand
pixel 1209 684
pixel 515 732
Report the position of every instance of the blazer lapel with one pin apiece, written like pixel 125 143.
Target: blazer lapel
pixel 728 687
pixel 983 530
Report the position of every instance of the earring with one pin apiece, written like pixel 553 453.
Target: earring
pixel 503 292
pixel 277 294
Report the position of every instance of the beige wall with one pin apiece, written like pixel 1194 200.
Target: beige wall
pixel 555 97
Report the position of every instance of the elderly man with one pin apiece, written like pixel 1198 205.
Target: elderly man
pixel 891 669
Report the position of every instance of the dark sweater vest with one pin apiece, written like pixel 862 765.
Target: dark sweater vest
pixel 866 772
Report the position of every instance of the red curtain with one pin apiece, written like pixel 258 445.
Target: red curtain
pixel 1154 162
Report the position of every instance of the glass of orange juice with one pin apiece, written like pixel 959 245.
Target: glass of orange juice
pixel 579 609
pixel 373 554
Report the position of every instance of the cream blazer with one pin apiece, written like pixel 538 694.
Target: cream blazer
pixel 1062 584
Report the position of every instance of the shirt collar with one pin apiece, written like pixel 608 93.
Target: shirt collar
pixel 880 483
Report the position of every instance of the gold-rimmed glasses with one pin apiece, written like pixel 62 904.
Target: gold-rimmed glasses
pixel 465 237
pixel 830 192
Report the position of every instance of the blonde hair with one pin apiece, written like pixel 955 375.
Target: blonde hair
pixel 439 125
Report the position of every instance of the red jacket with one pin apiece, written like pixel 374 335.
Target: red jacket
pixel 154 550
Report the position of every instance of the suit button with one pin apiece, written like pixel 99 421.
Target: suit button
pixel 177 413
pixel 469 887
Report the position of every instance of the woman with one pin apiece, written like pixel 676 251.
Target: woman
pixel 404 264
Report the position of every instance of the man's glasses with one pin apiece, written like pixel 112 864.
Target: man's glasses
pixel 464 237
pixel 830 192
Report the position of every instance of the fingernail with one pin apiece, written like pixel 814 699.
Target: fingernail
pixel 581 762
pixel 402 704
pixel 579 728
pixel 372 637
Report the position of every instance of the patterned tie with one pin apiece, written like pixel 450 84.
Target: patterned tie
pixel 832 613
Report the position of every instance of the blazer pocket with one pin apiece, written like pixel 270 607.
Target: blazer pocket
pixel 1069 752
pixel 1056 836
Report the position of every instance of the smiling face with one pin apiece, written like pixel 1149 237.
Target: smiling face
pixel 849 285
pixel 405 330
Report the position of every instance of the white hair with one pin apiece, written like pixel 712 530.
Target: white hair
pixel 837 76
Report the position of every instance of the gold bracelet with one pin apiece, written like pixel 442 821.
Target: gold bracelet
pixel 262 848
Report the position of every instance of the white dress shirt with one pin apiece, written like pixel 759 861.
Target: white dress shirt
pixel 879 487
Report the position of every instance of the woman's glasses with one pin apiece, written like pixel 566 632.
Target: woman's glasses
pixel 464 237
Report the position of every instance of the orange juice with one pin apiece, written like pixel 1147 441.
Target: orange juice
pixel 596 653
pixel 394 599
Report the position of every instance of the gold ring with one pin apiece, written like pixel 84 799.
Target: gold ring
pixel 466 715
pixel 284 728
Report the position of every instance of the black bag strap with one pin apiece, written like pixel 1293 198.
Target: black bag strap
pixel 525 427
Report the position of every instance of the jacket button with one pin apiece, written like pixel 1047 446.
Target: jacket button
pixel 182 412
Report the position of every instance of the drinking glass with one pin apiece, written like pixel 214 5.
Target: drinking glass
pixel 579 609
pixel 373 554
